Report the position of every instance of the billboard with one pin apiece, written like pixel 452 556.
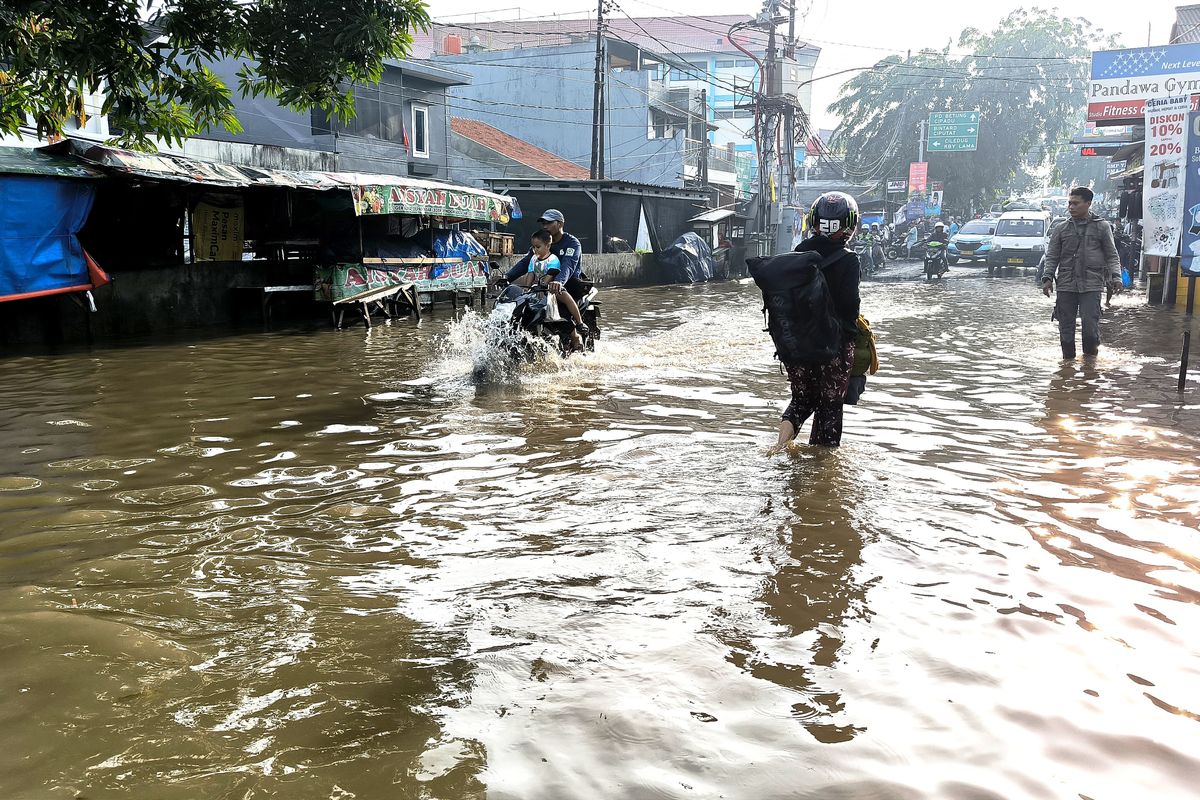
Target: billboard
pixel 918 174
pixel 1162 196
pixel 897 186
pixel 1123 80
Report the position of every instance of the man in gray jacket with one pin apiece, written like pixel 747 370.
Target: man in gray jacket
pixel 1082 258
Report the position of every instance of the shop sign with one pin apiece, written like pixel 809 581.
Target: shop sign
pixel 427 201
pixel 897 186
pixel 218 228
pixel 1116 168
pixel 1123 80
pixel 1162 193
pixel 1191 201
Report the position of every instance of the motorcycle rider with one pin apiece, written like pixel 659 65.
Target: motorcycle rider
pixel 939 235
pixel 564 282
pixel 910 240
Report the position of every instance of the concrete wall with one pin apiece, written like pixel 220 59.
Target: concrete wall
pixel 145 302
pixel 555 114
pixel 610 269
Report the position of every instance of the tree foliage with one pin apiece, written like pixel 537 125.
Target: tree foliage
pixel 150 58
pixel 1027 78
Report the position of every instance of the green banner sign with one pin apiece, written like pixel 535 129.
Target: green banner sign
pixel 952 144
pixel 953 117
pixel 962 129
pixel 432 201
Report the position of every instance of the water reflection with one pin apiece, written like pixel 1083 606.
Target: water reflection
pixel 331 564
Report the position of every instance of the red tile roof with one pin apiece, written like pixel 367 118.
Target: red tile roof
pixel 510 147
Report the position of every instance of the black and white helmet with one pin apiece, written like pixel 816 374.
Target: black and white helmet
pixel 833 212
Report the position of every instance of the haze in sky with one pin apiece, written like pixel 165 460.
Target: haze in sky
pixel 854 34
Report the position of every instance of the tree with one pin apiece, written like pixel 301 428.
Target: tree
pixel 1027 78
pixel 150 59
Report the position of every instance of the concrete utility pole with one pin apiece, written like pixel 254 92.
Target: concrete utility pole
pixel 767 135
pixel 702 168
pixel 598 114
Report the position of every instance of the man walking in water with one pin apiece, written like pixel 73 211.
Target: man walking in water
pixel 1082 259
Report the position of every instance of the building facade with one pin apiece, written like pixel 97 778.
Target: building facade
pixel 401 125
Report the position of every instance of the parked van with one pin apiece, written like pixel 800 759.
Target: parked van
pixel 1020 240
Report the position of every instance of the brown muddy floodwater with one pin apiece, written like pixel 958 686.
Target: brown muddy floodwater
pixel 319 564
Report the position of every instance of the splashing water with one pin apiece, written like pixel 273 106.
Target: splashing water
pixel 491 346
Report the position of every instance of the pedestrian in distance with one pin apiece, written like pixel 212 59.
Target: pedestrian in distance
pixel 1081 262
pixel 810 298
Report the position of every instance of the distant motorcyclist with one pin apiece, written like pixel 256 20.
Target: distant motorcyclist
pixel 910 239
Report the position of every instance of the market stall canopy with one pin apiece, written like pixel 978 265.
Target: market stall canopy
pixel 372 193
pixel 27 161
pixel 716 215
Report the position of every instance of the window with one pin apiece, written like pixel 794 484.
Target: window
pixel 743 113
pixel 978 228
pixel 420 131
pixel 724 113
pixel 725 65
pixel 745 62
pixel 1020 227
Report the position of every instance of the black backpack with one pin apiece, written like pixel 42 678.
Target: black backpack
pixel 798 306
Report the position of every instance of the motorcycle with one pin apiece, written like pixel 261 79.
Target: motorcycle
pixel 534 316
pixel 935 260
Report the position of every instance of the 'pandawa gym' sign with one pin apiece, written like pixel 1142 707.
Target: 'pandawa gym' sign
pixel 1123 80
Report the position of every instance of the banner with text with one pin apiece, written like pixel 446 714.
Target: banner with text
pixel 218 228
pixel 1123 80
pixel 1191 199
pixel 918 175
pixel 1162 194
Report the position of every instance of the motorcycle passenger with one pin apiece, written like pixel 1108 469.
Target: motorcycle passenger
pixel 565 281
pixel 818 389
pixel 876 241
pixel 541 263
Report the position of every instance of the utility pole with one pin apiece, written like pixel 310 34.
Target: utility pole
pixel 921 142
pixel 768 133
pixel 702 169
pixel 598 114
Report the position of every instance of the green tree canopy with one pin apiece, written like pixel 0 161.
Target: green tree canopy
pixel 1027 78
pixel 150 58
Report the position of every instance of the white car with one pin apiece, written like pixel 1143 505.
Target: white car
pixel 1020 240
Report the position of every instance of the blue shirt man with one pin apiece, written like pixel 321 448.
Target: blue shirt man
pixel 563 245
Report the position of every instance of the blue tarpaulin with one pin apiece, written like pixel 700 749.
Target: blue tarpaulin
pixel 39 251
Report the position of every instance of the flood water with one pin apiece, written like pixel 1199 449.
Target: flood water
pixel 320 564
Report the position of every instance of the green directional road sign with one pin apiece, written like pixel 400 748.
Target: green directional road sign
pixel 953 131
pixel 953 117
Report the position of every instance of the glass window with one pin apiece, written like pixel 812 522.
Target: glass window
pixel 745 62
pixel 978 228
pixel 1020 227
pixel 725 65
pixel 420 131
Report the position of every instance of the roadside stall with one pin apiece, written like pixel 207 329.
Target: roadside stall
pixel 404 247
pixel 45 201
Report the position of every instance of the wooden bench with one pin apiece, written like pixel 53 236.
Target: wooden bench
pixel 386 300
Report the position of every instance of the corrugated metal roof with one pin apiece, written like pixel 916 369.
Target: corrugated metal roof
pixel 29 161
pixel 1187 24
pixel 716 215
pixel 182 169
